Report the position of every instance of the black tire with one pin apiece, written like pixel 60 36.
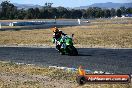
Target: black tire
pixel 72 51
pixel 61 52
pixel 81 80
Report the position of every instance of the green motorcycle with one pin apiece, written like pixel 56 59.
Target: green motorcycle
pixel 65 46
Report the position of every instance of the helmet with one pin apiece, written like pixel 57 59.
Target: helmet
pixel 55 29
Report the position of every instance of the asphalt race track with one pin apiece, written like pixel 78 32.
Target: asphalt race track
pixel 110 60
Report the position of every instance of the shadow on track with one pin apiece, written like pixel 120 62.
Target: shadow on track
pixel 84 55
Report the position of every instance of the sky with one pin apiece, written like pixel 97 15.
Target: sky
pixel 67 3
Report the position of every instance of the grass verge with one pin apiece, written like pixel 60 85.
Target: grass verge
pixel 14 75
pixel 103 33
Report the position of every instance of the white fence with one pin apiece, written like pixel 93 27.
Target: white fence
pixel 30 23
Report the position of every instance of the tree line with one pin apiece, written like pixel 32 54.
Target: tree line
pixel 9 11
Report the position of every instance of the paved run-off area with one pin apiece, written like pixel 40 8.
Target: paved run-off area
pixel 107 60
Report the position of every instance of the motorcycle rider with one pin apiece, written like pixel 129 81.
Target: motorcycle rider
pixel 57 36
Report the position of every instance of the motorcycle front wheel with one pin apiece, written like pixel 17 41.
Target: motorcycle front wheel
pixel 72 51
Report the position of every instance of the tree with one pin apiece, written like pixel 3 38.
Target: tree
pixel 129 10
pixel 20 14
pixel 107 13
pixel 44 13
pixel 8 10
pixel 63 12
pixel 123 10
pixel 76 14
pixel 113 12
pixel 0 11
pixel 102 13
pixel 52 12
pixel 84 14
pixel 48 5
pixel 30 13
pixel 118 13
pixel 98 12
pixel 36 13
pixel 90 12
